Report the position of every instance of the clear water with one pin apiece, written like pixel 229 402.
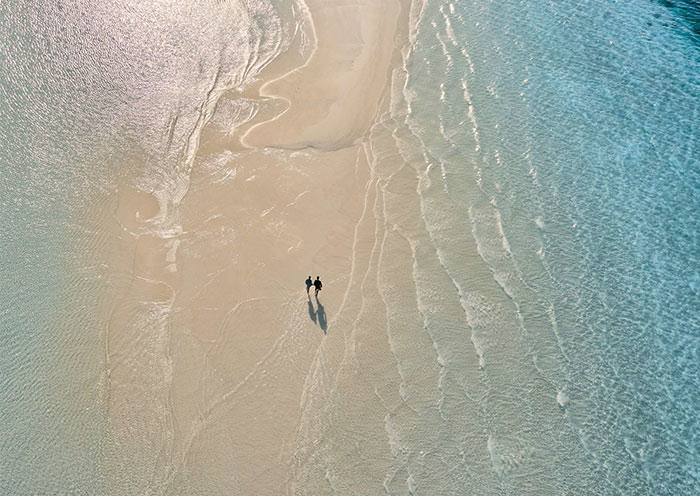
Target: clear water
pixel 90 91
pixel 564 136
pixel 557 273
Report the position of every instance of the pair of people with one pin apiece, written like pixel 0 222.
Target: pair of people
pixel 316 284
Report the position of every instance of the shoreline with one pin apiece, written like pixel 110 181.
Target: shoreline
pixel 349 94
pixel 199 293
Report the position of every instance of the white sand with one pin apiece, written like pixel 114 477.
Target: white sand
pixel 225 382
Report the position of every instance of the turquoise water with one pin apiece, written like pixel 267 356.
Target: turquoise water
pixel 51 367
pixel 558 152
pixel 565 136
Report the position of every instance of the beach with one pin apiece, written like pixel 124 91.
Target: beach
pixel 500 200
pixel 228 388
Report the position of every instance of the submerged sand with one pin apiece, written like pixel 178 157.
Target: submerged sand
pixel 224 376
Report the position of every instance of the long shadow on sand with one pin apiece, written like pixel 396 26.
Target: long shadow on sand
pixel 321 314
pixel 312 311
pixel 318 316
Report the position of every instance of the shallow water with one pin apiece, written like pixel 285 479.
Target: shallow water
pixel 92 92
pixel 527 321
pixel 562 139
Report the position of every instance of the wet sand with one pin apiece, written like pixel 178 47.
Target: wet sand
pixel 216 353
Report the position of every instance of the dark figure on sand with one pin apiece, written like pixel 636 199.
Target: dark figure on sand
pixel 321 314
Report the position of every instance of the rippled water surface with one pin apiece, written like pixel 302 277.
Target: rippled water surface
pixel 556 262
pixel 578 124
pixel 91 92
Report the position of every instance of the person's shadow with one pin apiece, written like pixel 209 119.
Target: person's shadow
pixel 321 314
pixel 312 311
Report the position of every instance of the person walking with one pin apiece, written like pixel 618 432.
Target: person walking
pixel 309 283
pixel 318 285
